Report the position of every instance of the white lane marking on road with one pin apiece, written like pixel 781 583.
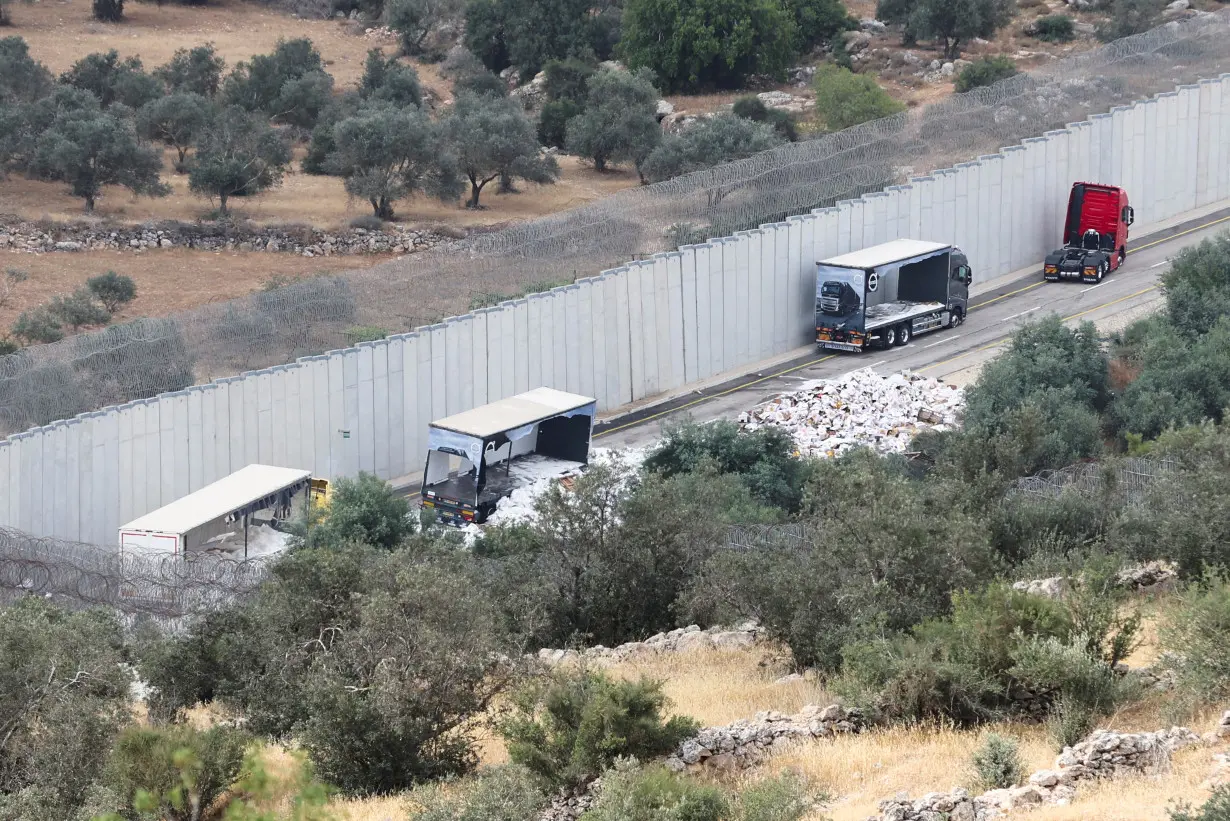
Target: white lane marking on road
pixel 1091 287
pixel 1022 313
pixel 942 341
pixel 1159 264
pixel 881 362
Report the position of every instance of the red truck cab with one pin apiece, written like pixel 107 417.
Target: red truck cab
pixel 1095 234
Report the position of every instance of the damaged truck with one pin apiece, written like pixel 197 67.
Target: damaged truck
pixel 887 294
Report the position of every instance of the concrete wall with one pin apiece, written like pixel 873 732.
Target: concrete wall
pixel 626 335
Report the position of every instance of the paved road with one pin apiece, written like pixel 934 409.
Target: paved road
pixel 994 315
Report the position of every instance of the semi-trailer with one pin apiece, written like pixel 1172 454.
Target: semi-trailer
pixel 887 294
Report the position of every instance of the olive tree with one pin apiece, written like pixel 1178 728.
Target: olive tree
pixel 708 143
pixel 238 154
pixel 492 138
pixel 193 71
pixel 387 154
pixel 177 120
pixel 89 149
pixel 620 121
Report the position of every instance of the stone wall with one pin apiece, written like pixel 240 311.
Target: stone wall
pixel 19 235
pixel 1104 754
pixel 683 640
pixel 1148 577
pixel 746 742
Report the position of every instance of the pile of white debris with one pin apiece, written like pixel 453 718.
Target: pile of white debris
pixel 519 505
pixel 828 417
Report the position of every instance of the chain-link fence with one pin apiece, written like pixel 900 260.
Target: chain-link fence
pixel 147 357
pixel 166 587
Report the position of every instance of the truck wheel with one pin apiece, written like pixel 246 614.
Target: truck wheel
pixel 1102 269
pixel 955 319
pixel 890 337
pixel 903 335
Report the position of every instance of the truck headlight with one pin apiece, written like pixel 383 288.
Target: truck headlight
pixel 1051 269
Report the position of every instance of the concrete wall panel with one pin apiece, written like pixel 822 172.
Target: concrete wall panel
pixel 583 337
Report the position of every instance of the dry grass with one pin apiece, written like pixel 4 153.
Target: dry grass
pixel 720 686
pixel 317 200
pixel 167 280
pixel 860 771
pixel 60 33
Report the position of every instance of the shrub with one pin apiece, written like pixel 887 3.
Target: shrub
pixel 63 695
pixel 865 570
pixel 974 665
pixel 997 763
pixel 364 510
pixel 571 727
pixel 571 569
pixel 1128 17
pixel 751 107
pixel 1181 519
pixel 1069 722
pixel 506 793
pixel 568 80
pixel 38 325
pixel 112 290
pixel 164 762
pixel 1054 28
pixel 818 21
pixel 1216 808
pixel 695 44
pixel 631 793
pixel 553 122
pixel 764 459
pixel 984 72
pixel 845 99
pixel 707 143
pixel 785 798
pixel 364 333
pixel 78 309
pixel 378 661
pixel 1085 685
pixel 1196 634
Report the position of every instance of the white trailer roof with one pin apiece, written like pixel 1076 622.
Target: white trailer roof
pixel 885 254
pixel 513 412
pixel 214 501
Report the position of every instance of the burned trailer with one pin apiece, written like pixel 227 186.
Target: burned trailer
pixel 480 456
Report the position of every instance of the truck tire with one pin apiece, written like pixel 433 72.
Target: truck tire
pixel 903 334
pixel 890 337
pixel 955 318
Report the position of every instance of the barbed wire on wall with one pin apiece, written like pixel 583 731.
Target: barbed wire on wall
pixel 150 356
pixel 82 575
pixel 1130 480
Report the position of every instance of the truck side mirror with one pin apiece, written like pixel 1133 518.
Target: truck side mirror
pixel 1129 215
